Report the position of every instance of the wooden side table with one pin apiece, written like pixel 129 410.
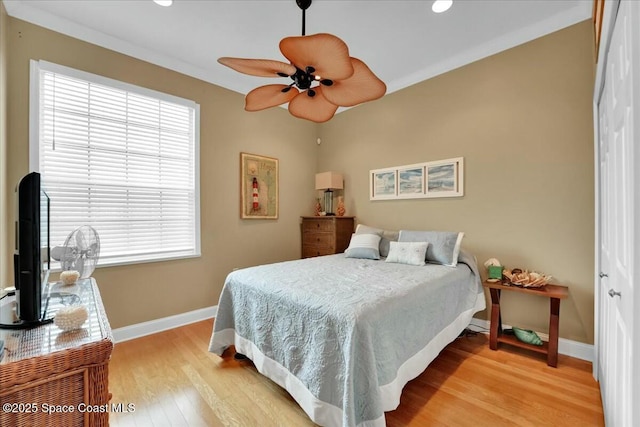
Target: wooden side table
pixel 554 292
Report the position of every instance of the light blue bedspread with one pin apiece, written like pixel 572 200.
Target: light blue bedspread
pixel 343 335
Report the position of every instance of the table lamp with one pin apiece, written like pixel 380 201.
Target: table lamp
pixel 329 181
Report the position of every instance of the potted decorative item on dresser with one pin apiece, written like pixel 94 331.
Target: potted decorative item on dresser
pixel 340 210
pixel 317 208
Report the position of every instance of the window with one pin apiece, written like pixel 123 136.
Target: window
pixel 120 158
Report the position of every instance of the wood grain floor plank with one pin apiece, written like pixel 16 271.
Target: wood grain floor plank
pixel 515 384
pixel 173 380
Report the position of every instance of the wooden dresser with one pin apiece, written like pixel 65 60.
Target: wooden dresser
pixel 326 235
pixel 53 378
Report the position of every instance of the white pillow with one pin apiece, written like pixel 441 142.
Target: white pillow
pixel 363 246
pixel 412 253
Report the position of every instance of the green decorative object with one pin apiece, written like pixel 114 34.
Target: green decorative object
pixel 495 271
pixel 527 336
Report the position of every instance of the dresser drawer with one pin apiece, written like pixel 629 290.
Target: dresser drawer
pixel 318 239
pixel 309 225
pixel 309 251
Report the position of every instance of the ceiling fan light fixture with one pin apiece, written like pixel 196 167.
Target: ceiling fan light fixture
pixel 324 76
pixel 440 6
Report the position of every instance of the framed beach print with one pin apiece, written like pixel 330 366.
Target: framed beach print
pixel 444 178
pixel 258 187
pixel 441 178
pixel 383 183
pixel 411 181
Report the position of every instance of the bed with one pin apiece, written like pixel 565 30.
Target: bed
pixel 343 335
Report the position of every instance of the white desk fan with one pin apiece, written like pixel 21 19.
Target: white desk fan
pixel 80 251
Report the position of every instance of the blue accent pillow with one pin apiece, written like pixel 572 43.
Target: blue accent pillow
pixel 444 246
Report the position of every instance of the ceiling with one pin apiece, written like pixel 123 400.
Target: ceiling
pixel 403 42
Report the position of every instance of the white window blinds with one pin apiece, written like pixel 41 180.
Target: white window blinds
pixel 120 158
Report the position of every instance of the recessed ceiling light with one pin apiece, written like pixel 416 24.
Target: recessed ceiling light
pixel 165 3
pixel 440 6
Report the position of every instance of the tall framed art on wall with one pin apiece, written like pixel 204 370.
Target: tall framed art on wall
pixel 258 187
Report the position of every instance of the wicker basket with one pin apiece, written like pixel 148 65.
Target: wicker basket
pixel 47 370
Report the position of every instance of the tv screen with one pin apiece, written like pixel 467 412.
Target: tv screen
pixel 31 256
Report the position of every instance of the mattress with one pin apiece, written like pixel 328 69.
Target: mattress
pixel 344 335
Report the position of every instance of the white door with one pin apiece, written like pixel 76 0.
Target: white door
pixel 617 131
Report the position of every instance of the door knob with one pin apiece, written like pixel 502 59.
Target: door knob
pixel 613 293
pixel 603 275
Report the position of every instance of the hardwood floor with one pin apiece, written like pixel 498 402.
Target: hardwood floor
pixel 172 380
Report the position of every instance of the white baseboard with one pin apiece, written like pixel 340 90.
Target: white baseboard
pixel 567 347
pixel 153 326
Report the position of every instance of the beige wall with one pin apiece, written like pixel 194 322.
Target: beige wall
pixel 5 255
pixel 142 292
pixel 522 120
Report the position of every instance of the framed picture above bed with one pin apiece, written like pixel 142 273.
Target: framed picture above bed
pixel 411 181
pixel 444 178
pixel 383 184
pixel 258 187
pixel 440 178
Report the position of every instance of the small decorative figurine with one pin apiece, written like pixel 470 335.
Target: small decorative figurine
pixel 69 277
pixel 71 317
pixel 318 207
pixel 340 210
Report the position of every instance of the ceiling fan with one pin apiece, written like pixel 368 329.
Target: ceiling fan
pixel 324 76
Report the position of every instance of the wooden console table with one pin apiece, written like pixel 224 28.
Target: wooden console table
pixel 53 378
pixel 554 292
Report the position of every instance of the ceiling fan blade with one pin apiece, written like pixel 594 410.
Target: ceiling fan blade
pixel 361 87
pixel 316 108
pixel 258 67
pixel 326 53
pixel 269 96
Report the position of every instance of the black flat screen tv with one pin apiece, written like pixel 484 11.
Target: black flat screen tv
pixel 31 260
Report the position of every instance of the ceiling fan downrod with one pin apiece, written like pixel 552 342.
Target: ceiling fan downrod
pixel 304 5
pixel 302 79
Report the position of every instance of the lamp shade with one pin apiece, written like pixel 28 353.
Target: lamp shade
pixel 329 180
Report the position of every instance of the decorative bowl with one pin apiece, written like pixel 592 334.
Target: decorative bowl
pixel 527 279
